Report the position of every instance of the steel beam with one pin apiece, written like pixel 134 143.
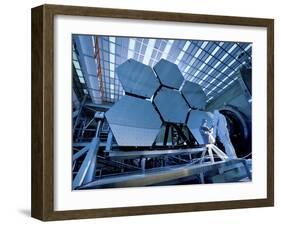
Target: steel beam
pixel 116 164
pixel 147 154
pixel 80 153
pixel 87 169
pixel 156 176
pixel 83 144
pixel 109 141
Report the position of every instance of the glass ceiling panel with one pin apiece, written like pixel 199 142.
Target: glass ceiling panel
pixel 211 64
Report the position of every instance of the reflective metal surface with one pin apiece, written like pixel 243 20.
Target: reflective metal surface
pixel 86 172
pixel 133 121
pixel 137 78
pixel 169 74
pixel 153 153
pixel 156 176
pixel 171 105
pixel 195 121
pixel 194 95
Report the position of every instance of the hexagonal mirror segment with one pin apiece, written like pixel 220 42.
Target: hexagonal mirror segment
pixel 198 122
pixel 137 78
pixel 169 74
pixel 133 121
pixel 194 95
pixel 171 105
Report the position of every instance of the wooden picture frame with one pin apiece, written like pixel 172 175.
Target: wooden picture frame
pixel 43 107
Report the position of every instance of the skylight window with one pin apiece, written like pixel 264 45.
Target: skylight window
pixel 187 68
pixel 112 57
pixel 224 70
pixel 197 72
pixel 76 64
pixel 167 49
pixel 219 84
pixel 224 56
pixel 232 62
pixel 217 64
pixel 226 77
pixel 93 42
pixel 205 43
pixel 210 64
pixel 208 59
pixel 81 79
pixel 112 39
pixel 149 50
pixel 74 56
pixel 248 47
pixel 206 77
pixel 210 99
pixel 79 73
pixel 230 82
pixel 131 49
pixel 232 48
pixel 180 56
pixel 215 50
pixel 202 66
pixel 198 53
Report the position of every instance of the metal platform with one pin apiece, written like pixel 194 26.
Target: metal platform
pixel 165 174
pixel 158 133
pixel 152 153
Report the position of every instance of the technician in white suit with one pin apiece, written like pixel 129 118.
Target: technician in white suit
pixel 220 130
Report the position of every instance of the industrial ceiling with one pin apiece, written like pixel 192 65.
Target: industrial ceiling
pixel 210 64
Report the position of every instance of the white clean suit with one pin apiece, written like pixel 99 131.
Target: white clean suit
pixel 220 130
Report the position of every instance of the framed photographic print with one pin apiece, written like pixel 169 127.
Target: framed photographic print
pixel 141 112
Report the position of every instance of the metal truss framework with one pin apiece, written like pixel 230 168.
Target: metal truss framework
pixel 99 162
